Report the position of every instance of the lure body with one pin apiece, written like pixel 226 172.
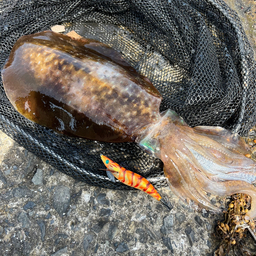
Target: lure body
pixel 130 178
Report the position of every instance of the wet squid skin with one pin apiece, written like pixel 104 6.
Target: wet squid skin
pixel 201 159
pixel 84 88
pixel 78 87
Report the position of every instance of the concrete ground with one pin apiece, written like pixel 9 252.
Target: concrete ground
pixel 44 212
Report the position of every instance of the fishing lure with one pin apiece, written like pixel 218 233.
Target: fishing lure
pixel 131 179
pixel 84 88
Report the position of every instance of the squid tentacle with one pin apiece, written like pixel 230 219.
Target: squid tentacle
pixel 227 188
pixel 197 161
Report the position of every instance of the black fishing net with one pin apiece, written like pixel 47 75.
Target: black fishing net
pixel 195 52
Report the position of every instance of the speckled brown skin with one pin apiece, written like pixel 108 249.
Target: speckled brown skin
pixel 79 87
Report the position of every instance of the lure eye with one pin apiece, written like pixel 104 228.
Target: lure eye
pixel 107 161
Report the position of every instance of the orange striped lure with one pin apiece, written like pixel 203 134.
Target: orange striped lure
pixel 131 179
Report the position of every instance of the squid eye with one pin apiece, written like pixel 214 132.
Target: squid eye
pixel 107 161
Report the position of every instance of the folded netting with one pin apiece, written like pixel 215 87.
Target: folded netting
pixel 195 53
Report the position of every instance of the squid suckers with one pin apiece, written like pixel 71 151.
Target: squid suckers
pixel 79 87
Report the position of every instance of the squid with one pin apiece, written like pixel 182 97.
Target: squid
pixel 82 87
pixel 201 159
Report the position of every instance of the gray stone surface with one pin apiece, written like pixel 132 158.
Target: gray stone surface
pixel 38 177
pixel 44 212
pixel 61 199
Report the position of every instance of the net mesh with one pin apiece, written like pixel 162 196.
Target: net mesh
pixel 195 52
